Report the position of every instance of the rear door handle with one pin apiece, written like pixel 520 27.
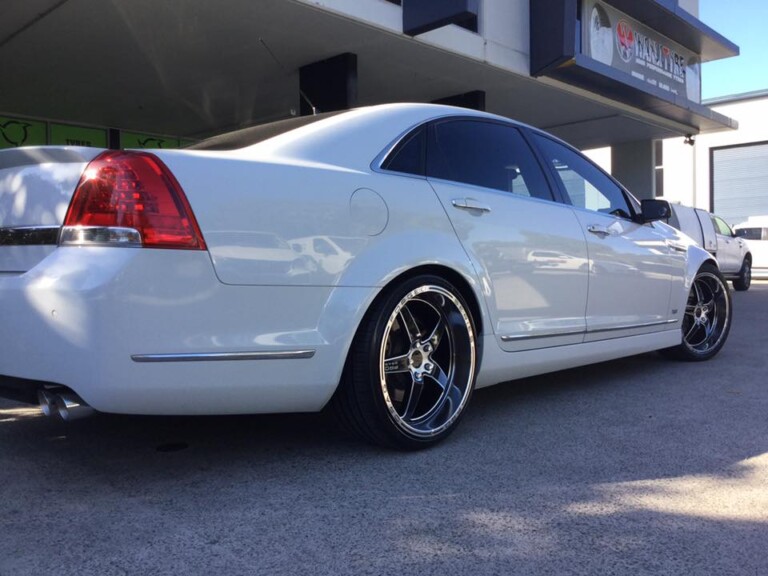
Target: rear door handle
pixel 601 231
pixel 470 204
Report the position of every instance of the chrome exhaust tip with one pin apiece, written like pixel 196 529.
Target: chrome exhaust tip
pixel 46 399
pixel 69 406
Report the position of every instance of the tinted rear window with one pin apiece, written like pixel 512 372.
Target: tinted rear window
pixel 486 154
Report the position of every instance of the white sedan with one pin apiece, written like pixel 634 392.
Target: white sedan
pixel 180 282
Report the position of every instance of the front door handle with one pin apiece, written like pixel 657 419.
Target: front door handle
pixel 601 231
pixel 470 204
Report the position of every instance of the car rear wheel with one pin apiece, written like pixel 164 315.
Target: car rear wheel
pixel 411 368
pixel 744 280
pixel 707 318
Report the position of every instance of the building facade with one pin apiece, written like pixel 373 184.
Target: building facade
pixel 143 73
pixel 725 172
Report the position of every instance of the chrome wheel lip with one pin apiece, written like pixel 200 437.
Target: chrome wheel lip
pixel 708 312
pixel 421 351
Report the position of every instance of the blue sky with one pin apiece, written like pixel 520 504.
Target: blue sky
pixel 743 22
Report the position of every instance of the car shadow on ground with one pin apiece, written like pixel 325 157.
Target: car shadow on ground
pixel 624 413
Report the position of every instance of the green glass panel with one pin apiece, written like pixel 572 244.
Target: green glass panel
pixel 69 135
pixel 16 132
pixel 139 140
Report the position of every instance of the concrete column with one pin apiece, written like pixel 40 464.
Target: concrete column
pixel 633 164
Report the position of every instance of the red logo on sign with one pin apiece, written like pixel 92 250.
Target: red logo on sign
pixel 625 40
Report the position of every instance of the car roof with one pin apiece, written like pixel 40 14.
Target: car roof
pixel 255 134
pixel 754 222
pixel 349 139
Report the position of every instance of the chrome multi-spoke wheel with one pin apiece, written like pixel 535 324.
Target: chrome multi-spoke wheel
pixel 427 360
pixel 412 366
pixel 707 318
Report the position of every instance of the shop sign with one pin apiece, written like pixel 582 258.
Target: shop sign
pixel 617 40
pixel 16 132
pixel 69 135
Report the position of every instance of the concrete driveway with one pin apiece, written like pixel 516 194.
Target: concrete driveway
pixel 638 466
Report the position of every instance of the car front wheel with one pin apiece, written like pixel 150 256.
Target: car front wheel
pixel 744 280
pixel 707 318
pixel 411 368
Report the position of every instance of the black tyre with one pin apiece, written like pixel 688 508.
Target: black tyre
pixel 744 280
pixel 411 368
pixel 707 318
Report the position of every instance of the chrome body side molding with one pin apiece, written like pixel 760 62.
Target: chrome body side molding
pixel 224 356
pixel 517 338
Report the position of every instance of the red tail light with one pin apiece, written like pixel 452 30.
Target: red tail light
pixel 130 198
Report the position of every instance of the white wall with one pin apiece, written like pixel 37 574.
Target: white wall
pixel 601 156
pixel 505 24
pixel 686 168
pixel 690 6
pixel 503 29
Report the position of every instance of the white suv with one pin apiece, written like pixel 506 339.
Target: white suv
pixel 714 235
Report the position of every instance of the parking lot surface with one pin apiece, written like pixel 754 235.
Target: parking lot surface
pixel 637 466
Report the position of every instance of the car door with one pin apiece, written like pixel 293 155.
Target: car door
pixel 630 264
pixel 529 251
pixel 730 249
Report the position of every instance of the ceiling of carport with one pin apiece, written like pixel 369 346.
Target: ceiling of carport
pixel 195 67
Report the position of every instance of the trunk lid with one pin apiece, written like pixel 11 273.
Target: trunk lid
pixel 36 186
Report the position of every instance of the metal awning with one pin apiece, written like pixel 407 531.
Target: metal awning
pixel 669 19
pixel 591 75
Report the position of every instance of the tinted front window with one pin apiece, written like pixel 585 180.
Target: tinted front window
pixel 585 184
pixel 485 154
pixel 722 227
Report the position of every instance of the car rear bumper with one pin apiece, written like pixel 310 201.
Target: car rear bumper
pixel 142 331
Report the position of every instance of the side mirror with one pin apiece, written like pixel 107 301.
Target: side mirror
pixel 652 210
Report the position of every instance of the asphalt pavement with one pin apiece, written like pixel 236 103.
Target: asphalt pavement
pixel 632 467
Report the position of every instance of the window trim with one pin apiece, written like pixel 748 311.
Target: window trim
pixel 718 228
pixel 377 165
pixel 404 140
pixel 556 187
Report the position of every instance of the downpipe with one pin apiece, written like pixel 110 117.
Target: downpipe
pixel 65 404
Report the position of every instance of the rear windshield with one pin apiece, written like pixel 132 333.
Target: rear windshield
pixel 256 134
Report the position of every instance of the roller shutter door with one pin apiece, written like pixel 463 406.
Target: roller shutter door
pixel 740 181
